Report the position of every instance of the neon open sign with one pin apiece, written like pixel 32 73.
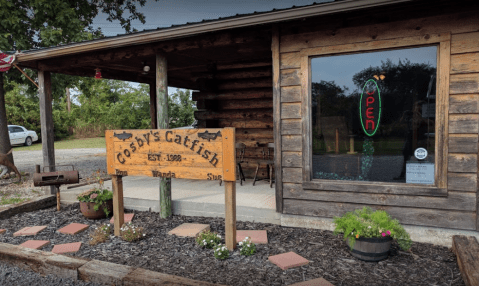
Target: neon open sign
pixel 370 107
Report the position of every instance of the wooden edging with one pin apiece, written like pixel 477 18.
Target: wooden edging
pixel 89 270
pixel 466 249
pixel 28 206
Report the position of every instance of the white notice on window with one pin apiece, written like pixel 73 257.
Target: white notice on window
pixel 420 173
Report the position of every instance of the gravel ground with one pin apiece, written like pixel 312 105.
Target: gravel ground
pixel 13 276
pixel 328 254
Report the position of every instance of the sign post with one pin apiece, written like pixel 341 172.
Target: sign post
pixel 202 154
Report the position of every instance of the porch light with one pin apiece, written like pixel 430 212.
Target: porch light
pixel 146 68
pixel 97 73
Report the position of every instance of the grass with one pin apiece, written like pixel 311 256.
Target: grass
pixel 68 144
pixel 10 201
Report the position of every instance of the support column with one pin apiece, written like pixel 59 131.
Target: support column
pixel 163 123
pixel 154 124
pixel 46 121
pixel 4 138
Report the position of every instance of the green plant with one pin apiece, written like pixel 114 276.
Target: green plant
pixel 368 223
pixel 100 234
pixel 222 252
pixel 208 239
pixel 248 248
pixel 130 232
pixel 97 195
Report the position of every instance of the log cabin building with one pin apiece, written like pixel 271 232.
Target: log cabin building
pixel 368 102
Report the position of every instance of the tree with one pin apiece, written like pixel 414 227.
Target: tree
pixel 29 24
pixel 181 109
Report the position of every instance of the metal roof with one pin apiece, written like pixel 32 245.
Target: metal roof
pixel 189 29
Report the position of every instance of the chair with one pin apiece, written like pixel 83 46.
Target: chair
pixel 240 151
pixel 268 160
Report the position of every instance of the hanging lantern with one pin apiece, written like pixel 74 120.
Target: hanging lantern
pixel 97 73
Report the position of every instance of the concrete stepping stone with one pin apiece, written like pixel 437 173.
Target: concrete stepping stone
pixel 2 231
pixel 126 218
pixel 314 282
pixel 288 260
pixel 33 230
pixel 35 244
pixel 73 228
pixel 256 236
pixel 189 229
pixel 66 248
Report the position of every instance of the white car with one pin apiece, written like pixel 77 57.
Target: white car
pixel 20 135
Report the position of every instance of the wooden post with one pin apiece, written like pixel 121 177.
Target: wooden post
pixel 118 211
pixel 277 118
pixel 163 123
pixel 154 124
pixel 230 214
pixel 351 145
pixel 46 121
pixel 58 198
pixel 337 141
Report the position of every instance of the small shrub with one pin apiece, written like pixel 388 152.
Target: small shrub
pixel 208 239
pixel 222 252
pixel 247 247
pixel 130 232
pixel 100 234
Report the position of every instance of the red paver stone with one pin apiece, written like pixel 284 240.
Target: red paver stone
pixel 35 244
pixel 189 229
pixel 256 236
pixel 2 230
pixel 127 218
pixel 30 230
pixel 73 228
pixel 288 260
pixel 66 248
pixel 314 282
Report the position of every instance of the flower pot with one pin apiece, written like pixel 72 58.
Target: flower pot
pixel 88 210
pixel 372 249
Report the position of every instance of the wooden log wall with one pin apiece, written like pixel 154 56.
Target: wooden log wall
pixel 242 98
pixel 458 208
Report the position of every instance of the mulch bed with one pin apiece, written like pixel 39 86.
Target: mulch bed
pixel 328 254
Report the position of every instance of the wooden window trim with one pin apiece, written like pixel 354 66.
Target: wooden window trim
pixel 443 42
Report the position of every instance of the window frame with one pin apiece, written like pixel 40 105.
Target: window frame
pixel 443 43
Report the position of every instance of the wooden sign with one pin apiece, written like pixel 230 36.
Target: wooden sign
pixel 202 154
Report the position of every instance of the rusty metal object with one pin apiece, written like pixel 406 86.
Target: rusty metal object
pixel 57 179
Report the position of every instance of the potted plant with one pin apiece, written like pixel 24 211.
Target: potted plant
pixel 370 233
pixel 97 202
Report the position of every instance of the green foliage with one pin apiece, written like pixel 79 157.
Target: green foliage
pixel 97 195
pixel 248 248
pixel 221 252
pixel 181 109
pixel 368 223
pixel 208 239
pixel 130 232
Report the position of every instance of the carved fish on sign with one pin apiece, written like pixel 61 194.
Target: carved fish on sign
pixel 123 136
pixel 209 136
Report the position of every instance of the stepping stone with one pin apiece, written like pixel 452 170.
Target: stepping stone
pixel 2 230
pixel 256 236
pixel 29 230
pixel 35 244
pixel 189 229
pixel 314 282
pixel 126 218
pixel 288 260
pixel 66 248
pixel 73 228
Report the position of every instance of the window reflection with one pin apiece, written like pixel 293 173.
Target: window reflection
pixel 406 83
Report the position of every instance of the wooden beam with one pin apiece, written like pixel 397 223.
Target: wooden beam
pixel 275 40
pixel 46 121
pixel 466 249
pixel 118 211
pixel 235 94
pixel 154 124
pixel 163 123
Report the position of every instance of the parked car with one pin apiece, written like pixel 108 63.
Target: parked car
pixel 20 135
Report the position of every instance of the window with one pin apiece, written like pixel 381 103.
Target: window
pixel 373 116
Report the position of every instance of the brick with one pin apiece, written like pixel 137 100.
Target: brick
pixel 104 272
pixel 314 282
pixel 66 248
pixel 288 260
pixel 2 231
pixel 126 218
pixel 35 244
pixel 256 236
pixel 73 228
pixel 189 229
pixel 30 230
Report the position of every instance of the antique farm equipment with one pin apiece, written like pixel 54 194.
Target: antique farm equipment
pixel 372 249
pixel 57 179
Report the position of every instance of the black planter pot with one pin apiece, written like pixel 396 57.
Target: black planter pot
pixel 372 249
